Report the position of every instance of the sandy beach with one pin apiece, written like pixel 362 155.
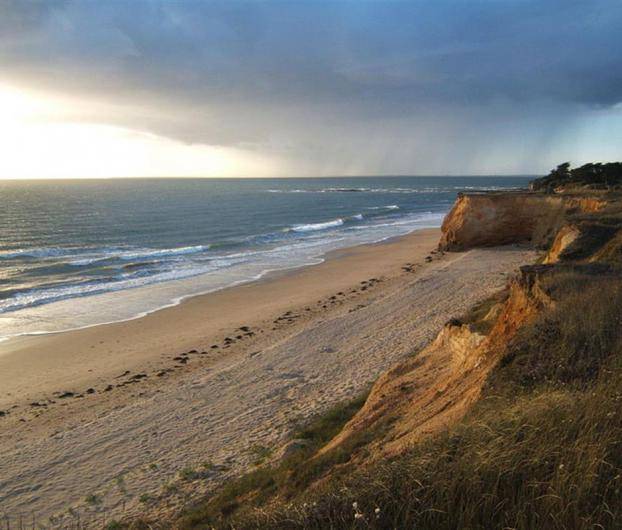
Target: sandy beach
pixel 116 412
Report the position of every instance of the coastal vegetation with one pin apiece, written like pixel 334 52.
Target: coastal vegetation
pixel 592 176
pixel 539 447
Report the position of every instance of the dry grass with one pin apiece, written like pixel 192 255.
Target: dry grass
pixel 568 344
pixel 542 449
pixel 550 460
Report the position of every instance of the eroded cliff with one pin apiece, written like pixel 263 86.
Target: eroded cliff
pixel 432 390
pixel 489 219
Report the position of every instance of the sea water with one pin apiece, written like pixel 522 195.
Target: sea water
pixel 76 253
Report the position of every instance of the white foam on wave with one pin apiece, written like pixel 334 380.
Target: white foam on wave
pixel 123 281
pixel 138 254
pixel 45 252
pixel 312 227
pixel 416 220
pixel 162 252
pixel 290 191
pixel 87 261
pixel 86 256
pixel 388 207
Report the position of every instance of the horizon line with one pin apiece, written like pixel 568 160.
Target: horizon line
pixel 453 175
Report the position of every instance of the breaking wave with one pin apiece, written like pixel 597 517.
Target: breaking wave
pixel 312 227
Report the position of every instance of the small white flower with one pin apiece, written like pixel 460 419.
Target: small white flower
pixel 561 466
pixel 377 511
pixel 358 515
pixel 355 505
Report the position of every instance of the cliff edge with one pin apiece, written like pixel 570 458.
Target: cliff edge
pixel 428 392
pixel 490 219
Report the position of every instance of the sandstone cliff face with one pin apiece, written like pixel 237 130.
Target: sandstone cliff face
pixel 586 241
pixel 426 393
pixel 565 237
pixel 488 219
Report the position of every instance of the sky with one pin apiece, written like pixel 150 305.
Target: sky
pixel 307 88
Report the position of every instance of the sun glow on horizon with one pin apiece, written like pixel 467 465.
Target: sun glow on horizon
pixel 42 138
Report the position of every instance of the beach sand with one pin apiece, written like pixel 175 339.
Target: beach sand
pixel 117 411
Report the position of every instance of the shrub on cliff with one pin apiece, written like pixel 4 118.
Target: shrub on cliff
pixel 593 176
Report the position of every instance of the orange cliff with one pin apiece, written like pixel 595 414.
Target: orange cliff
pixel 489 219
pixel 428 392
pixel 432 390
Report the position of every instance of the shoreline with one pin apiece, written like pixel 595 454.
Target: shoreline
pixel 55 342
pixel 265 275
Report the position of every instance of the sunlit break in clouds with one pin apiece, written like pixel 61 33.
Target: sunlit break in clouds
pixel 261 88
pixel 42 137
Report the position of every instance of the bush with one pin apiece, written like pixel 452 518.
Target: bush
pixel 594 175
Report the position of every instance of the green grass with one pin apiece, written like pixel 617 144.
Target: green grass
pixel 208 465
pixel 92 499
pixel 260 453
pixel 145 498
pixel 326 426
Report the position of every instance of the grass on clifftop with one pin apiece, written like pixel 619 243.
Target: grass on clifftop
pixel 541 449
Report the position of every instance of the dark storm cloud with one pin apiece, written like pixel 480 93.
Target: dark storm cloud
pixel 277 74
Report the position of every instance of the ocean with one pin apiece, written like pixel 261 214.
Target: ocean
pixel 77 253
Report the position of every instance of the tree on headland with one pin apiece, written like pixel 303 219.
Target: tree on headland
pixel 588 176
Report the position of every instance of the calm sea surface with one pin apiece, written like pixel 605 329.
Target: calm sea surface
pixel 78 253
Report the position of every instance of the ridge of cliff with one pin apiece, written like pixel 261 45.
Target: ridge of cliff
pixel 500 218
pixel 433 389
